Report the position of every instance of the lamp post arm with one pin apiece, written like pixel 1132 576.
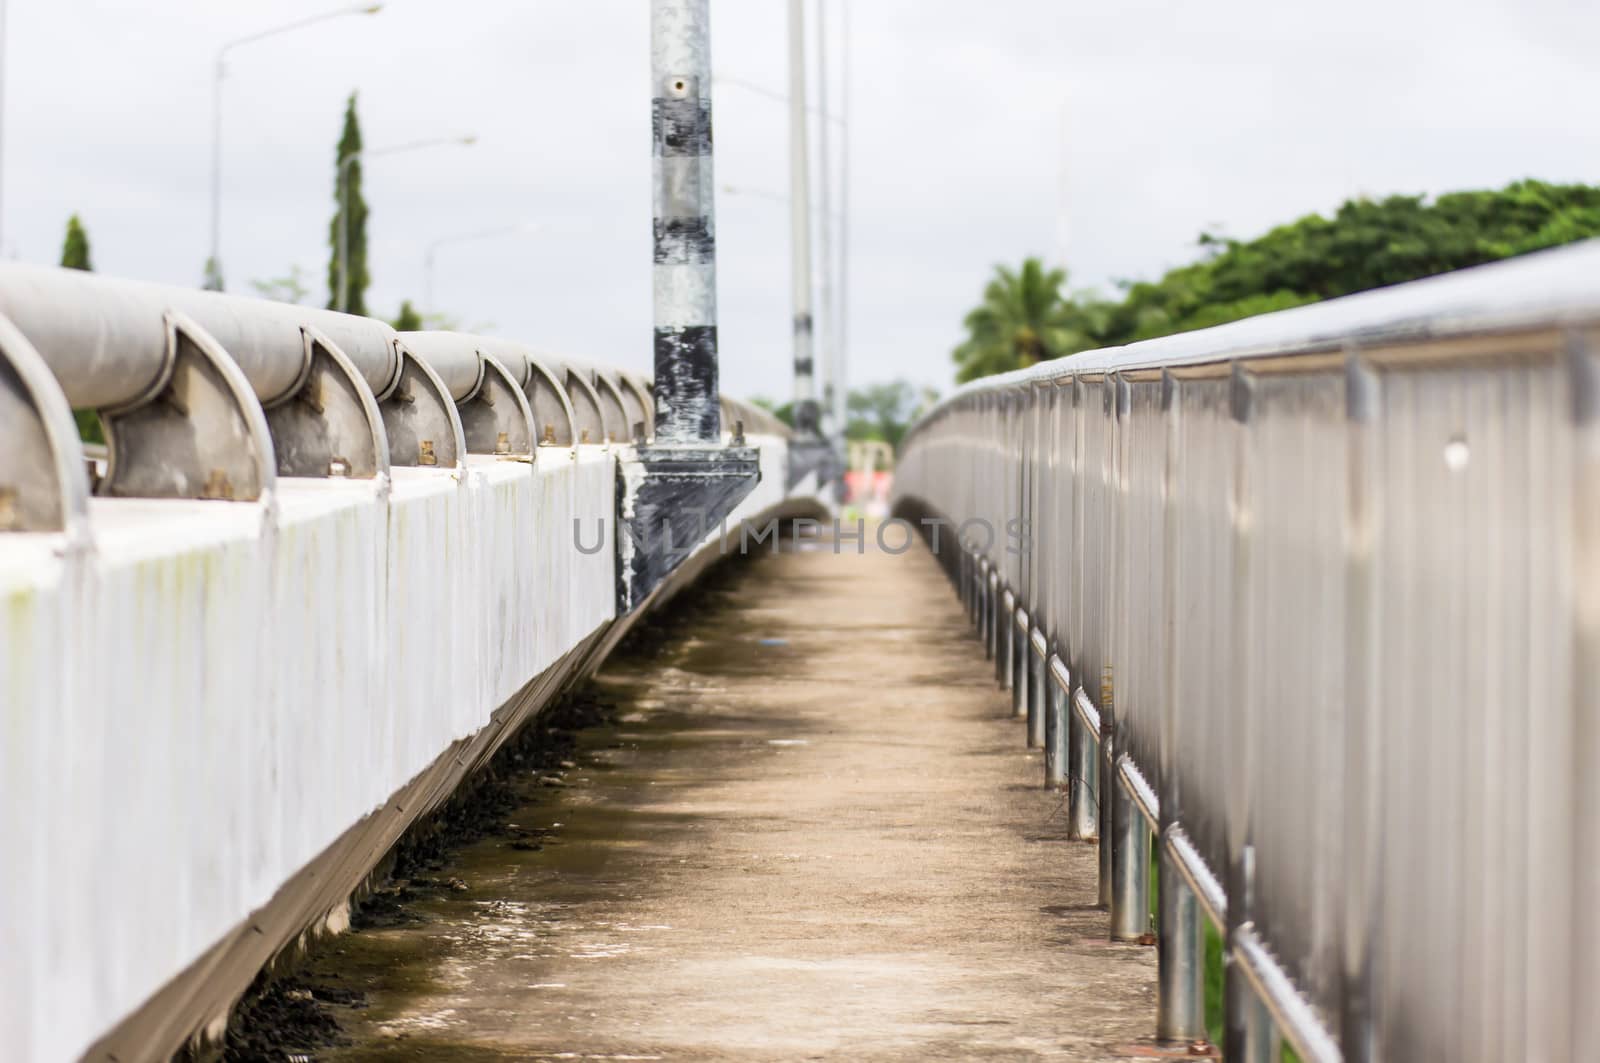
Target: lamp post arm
pixel 353 9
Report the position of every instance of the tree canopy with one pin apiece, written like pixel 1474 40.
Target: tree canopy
pixel 75 248
pixel 885 411
pixel 1023 319
pixel 408 320
pixel 1365 244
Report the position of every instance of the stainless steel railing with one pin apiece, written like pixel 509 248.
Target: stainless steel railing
pixel 1315 600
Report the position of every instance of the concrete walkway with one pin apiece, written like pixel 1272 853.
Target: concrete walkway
pixel 814 833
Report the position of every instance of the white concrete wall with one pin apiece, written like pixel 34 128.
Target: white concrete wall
pixel 201 702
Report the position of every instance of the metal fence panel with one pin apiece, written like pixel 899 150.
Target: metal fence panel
pixel 1335 575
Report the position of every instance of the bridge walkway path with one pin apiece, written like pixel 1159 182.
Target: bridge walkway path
pixel 811 831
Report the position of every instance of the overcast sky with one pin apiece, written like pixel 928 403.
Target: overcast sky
pixel 1104 134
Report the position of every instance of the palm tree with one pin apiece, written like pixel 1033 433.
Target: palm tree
pixel 1024 319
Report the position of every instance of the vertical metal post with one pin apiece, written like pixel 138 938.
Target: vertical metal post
pixel 1083 810
pixel 344 233
pixel 1586 685
pixel 1130 866
pixel 1180 932
pixel 1105 790
pixel 1018 679
pixel 841 393
pixel 1262 1043
pixel 1004 624
pixel 214 262
pixel 826 337
pixel 685 279
pixel 1038 708
pixel 1362 915
pixel 1241 1036
pixel 1180 948
pixel 806 415
pixel 986 614
pixel 1057 736
pixel 970 585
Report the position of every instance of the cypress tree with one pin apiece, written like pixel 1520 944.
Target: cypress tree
pixel 347 196
pixel 75 250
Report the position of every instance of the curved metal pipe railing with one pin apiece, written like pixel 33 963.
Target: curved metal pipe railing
pixel 207 395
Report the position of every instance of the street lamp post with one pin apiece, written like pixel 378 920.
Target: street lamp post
pixel 432 249
pixel 806 415
pixel 830 365
pixel 219 72
pixel 345 162
pixel 841 340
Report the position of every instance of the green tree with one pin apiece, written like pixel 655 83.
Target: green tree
pixel 783 411
pixel 885 411
pixel 1365 244
pixel 347 199
pixel 875 411
pixel 75 249
pixel 408 320
pixel 75 255
pixel 1024 318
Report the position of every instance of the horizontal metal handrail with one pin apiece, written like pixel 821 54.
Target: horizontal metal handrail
pixel 1143 794
pixel 1087 713
pixel 1199 878
pixel 1301 564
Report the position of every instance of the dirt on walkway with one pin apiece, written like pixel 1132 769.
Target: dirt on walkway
pixel 810 831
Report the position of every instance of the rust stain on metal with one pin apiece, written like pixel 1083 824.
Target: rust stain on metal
pixel 217 486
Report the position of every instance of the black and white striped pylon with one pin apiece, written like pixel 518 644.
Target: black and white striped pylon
pixel 685 274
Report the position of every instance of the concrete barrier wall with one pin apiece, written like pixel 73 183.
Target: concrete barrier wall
pixel 201 703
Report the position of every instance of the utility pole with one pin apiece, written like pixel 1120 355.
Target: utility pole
pixel 841 396
pixel 806 418
pixel 827 336
pixel 685 271
pixel 674 489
